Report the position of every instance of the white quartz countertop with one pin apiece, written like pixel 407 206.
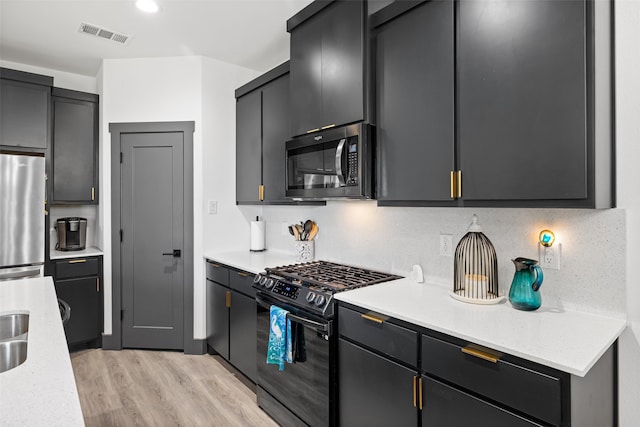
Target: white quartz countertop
pixel 252 262
pixel 90 251
pixel 42 391
pixel 569 341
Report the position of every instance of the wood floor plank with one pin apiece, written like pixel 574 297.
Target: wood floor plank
pixel 162 388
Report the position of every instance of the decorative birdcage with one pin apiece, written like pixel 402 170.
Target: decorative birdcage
pixel 475 269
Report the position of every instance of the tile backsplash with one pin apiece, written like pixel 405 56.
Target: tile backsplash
pixel 82 211
pixel 393 239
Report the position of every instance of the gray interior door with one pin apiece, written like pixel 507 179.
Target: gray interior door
pixel 152 216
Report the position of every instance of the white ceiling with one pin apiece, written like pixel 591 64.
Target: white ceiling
pixel 44 33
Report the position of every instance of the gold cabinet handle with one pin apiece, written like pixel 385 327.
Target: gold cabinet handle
pixel 241 274
pixel 77 261
pixel 227 299
pixel 419 393
pixel 214 265
pixel 93 194
pixel 332 125
pixel 459 182
pixel 452 182
pixel 414 391
pixel 261 192
pixel 313 130
pixel 482 354
pixel 376 318
pixel 97 284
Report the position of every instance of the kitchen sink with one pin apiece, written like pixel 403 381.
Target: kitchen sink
pixel 13 325
pixel 12 353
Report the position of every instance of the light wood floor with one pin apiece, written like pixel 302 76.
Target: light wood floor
pixel 161 388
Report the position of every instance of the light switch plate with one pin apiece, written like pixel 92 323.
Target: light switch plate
pixel 212 207
pixel 446 245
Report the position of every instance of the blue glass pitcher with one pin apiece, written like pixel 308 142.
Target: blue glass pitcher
pixel 524 294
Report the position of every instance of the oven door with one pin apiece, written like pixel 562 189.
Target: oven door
pixel 303 388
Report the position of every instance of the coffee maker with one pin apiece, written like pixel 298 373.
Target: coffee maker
pixel 72 233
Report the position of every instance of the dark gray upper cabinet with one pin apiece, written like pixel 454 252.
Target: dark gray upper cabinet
pixel 262 128
pixel 249 148
pixel 24 109
pixel 328 65
pixel 525 128
pixel 415 113
pixel 75 147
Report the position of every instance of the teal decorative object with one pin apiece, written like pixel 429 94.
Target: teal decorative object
pixel 527 280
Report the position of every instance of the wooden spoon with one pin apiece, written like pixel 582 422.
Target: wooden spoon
pixel 314 230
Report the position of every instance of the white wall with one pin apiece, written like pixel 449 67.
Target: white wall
pixel 628 155
pixel 177 89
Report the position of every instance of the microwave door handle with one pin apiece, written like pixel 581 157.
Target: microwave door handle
pixel 339 151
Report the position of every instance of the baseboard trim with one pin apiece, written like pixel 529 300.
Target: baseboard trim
pixel 196 346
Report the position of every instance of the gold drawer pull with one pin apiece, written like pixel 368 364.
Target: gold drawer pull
pixel 482 354
pixel 227 299
pixel 328 126
pixel 313 130
pixel 377 318
pixel 77 261
pixel 420 394
pixel 214 265
pixel 242 274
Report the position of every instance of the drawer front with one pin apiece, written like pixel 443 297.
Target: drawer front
pixel 218 273
pixel 376 332
pixel 77 267
pixel 241 281
pixel 534 393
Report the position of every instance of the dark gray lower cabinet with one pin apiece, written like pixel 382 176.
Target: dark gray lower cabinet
pixel 78 283
pixel 373 390
pixel 232 316
pixel 386 378
pixel 447 406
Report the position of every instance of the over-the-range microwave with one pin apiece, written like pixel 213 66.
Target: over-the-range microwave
pixel 333 163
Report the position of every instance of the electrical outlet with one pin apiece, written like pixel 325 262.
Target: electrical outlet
pixel 213 207
pixel 446 245
pixel 550 256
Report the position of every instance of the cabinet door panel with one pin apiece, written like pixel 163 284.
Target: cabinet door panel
pixel 306 75
pixel 415 91
pixel 522 100
pixel 248 147
pixel 275 132
pixel 217 319
pixel 83 297
pixel 24 114
pixel 74 150
pixel 342 64
pixel 242 334
pixel 446 406
pixel 374 391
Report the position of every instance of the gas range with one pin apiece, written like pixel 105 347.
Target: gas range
pixel 310 286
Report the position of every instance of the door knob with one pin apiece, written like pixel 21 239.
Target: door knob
pixel 176 253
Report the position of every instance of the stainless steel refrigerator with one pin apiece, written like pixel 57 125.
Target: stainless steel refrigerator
pixel 22 215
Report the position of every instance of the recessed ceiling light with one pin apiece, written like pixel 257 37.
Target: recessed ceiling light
pixel 149 6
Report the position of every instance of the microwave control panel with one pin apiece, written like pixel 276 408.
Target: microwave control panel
pixel 352 164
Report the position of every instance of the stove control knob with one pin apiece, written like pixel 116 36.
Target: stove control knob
pixel 256 278
pixel 269 284
pixel 320 299
pixel 310 297
pixel 263 281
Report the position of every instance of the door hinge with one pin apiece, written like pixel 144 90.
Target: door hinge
pixel 121 233
pixel 121 157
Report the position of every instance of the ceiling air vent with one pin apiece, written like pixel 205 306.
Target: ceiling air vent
pixel 94 30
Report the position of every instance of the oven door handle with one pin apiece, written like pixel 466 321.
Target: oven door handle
pixel 321 327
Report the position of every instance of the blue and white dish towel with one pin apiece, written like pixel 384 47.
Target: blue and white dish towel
pixel 279 349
